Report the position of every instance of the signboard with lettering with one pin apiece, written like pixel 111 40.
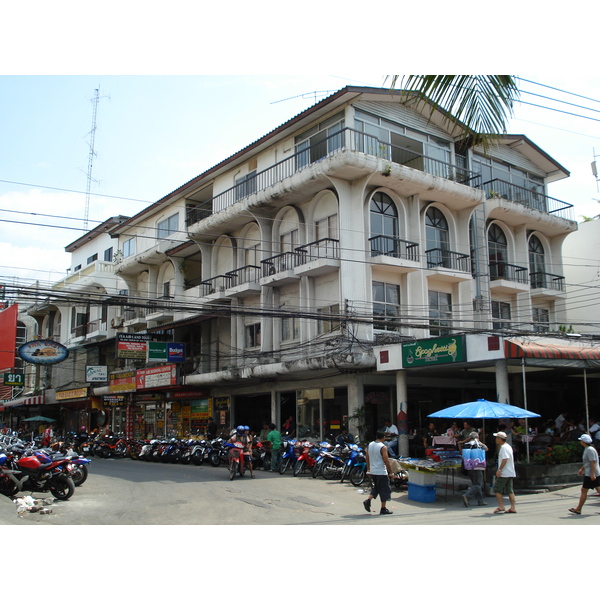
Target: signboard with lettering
pixel 113 401
pixel 433 351
pixel 122 381
pixel 96 373
pixel 17 379
pixel 132 345
pixel 156 377
pixel 68 394
pixel 43 352
pixel 166 352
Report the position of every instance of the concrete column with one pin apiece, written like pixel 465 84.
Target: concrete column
pixel 356 399
pixel 402 412
pixel 502 388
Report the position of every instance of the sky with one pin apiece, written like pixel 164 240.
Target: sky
pixel 156 132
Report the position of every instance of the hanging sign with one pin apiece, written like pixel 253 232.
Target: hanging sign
pixel 43 352
pixel 433 351
pixel 132 345
pixel 95 373
pixel 122 381
pixel 156 377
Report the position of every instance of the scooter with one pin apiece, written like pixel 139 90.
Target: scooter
pixel 236 459
pixel 307 459
pixel 288 456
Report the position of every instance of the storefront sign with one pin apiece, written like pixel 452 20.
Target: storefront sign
pixel 433 351
pixel 113 401
pixel 175 352
pixel 132 345
pixel 166 352
pixel 221 403
pixel 122 381
pixel 95 373
pixel 68 394
pixel 201 409
pixel 43 352
pixel 17 379
pixel 156 377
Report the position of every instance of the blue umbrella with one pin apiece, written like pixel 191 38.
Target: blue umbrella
pixel 483 409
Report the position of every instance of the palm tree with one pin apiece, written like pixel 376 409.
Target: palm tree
pixel 481 103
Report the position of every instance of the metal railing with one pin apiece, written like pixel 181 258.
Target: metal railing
pixel 496 188
pixel 393 246
pixel 548 281
pixel 324 248
pixel 503 270
pixel 215 284
pixel 346 139
pixel 247 274
pixel 281 262
pixel 438 257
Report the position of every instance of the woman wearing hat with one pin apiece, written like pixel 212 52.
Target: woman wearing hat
pixel 590 471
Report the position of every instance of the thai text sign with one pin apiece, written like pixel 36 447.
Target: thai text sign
pixel 433 351
pixel 132 345
pixel 122 381
pixel 68 394
pixel 156 377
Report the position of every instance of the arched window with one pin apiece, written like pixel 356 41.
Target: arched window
pixel 497 251
pixel 437 239
pixel 537 263
pixel 384 225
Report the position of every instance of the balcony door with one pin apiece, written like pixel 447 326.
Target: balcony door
pixel 384 225
pixel 537 263
pixel 437 239
pixel 498 251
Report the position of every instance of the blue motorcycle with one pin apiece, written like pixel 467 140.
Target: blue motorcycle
pixel 289 457
pixel 356 457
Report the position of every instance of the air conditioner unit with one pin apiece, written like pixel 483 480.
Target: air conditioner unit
pixel 116 322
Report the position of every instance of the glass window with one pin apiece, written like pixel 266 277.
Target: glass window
pixel 167 227
pixel 245 185
pixel 92 259
pixel 316 143
pixel 384 225
pixel 290 329
pixel 541 319
pixel 253 335
pixel 386 306
pixel 437 239
pixel 497 249
pixel 327 228
pixel 537 266
pixel 440 313
pixel 327 322
pixel 128 247
pixel 288 241
pixel 500 315
pixel 108 255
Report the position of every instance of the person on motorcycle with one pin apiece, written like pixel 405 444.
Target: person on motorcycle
pixel 241 436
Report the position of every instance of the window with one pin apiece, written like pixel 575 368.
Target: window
pixel 440 313
pixel 500 315
pixel 317 142
pixel 498 251
pixel 437 239
pixel 327 322
pixel 327 228
pixel 384 225
pixel 166 289
pixel 386 306
pixel 108 255
pixel 251 255
pixel 290 329
pixel 167 227
pixel 92 259
pixel 537 261
pixel 541 320
pixel 129 247
pixel 288 241
pixel 245 185
pixel 253 335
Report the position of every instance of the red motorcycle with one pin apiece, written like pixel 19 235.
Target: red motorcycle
pixel 236 459
pixel 307 458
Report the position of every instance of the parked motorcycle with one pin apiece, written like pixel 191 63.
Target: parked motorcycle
pixel 356 456
pixel 219 453
pixel 289 455
pixel 307 458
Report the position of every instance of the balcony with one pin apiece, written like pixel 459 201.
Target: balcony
pixel 546 284
pixel 242 282
pixel 279 269
pixel 215 287
pixel 447 265
pixel 394 252
pixel 319 258
pixel 346 139
pixel 96 330
pixel 507 278
pixel 531 198
pixel 160 310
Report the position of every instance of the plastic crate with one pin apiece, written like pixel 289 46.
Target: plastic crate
pixel 421 493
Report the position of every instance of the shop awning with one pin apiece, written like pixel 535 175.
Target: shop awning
pixel 554 354
pixel 28 401
pixel 181 323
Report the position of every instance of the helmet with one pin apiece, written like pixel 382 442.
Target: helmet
pixel 246 428
pixel 240 429
pixel 83 429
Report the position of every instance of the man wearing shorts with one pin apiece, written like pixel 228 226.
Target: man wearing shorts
pixel 590 471
pixel 378 467
pixel 505 474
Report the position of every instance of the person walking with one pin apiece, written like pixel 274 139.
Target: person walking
pixel 379 468
pixel 590 469
pixel 274 439
pixel 505 474
pixel 475 490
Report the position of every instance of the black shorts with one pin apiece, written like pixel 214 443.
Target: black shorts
pixel 588 484
pixel 381 487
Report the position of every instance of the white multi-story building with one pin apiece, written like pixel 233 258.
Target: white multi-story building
pixel 301 271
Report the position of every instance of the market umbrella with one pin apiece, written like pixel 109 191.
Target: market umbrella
pixel 39 419
pixel 484 409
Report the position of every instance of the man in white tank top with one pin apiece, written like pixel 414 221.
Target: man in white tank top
pixel 378 467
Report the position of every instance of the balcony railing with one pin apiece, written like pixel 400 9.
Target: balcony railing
pixel 496 188
pixel 215 284
pixel 248 274
pixel 281 262
pixel 438 257
pixel 395 247
pixel 324 248
pixel 503 270
pixel 547 281
pixel 346 139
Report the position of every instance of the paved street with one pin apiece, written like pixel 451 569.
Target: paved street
pixel 126 492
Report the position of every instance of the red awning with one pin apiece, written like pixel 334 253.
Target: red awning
pixel 530 349
pixel 29 401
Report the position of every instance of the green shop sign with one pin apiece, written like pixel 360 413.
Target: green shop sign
pixel 433 351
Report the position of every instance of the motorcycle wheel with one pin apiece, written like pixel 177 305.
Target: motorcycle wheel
pixel 79 474
pixel 299 467
pixel 185 458
pixel 345 473
pixel 357 476
pixel 329 471
pixel 134 453
pixel 233 467
pixel 214 459
pixel 62 487
pixel 284 465
pixel 317 469
pixel 197 458
pixel 7 486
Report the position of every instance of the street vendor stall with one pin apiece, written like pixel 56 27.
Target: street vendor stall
pixel 422 473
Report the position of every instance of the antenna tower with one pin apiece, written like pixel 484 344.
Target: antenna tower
pixel 91 157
